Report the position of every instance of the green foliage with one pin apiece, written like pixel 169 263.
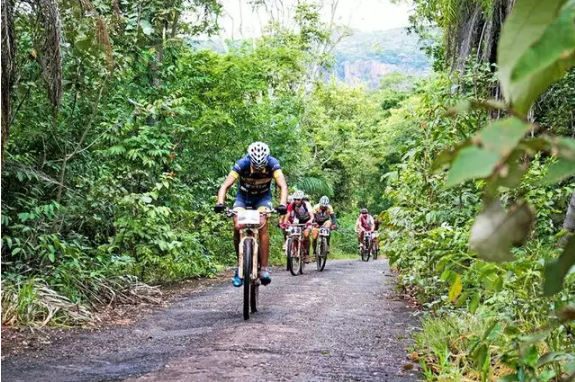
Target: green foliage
pixel 121 182
pixel 479 314
pixel 531 31
pixel 528 33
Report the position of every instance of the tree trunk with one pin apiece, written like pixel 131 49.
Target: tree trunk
pixel 476 30
pixel 8 68
pixel 569 223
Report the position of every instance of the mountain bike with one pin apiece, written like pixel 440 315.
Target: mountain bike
pixel 295 251
pixel 367 249
pixel 248 256
pixel 321 256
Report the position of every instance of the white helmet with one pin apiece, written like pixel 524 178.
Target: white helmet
pixel 258 153
pixel 324 201
pixel 298 195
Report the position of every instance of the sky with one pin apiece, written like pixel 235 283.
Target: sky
pixel 362 15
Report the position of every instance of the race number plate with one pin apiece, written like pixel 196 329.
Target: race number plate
pixel 296 231
pixel 324 232
pixel 249 217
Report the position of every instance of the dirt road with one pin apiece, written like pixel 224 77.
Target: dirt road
pixel 339 325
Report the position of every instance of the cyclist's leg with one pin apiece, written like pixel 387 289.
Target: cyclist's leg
pixel 264 203
pixel 327 224
pixel 314 235
pixel 239 204
pixel 306 241
pixel 360 238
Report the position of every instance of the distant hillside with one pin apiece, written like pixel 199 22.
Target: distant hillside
pixel 365 57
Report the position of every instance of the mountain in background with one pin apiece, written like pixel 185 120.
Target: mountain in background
pixel 365 57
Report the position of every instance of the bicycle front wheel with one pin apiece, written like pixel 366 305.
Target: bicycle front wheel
pixel 322 254
pixel 294 261
pixel 365 251
pixel 248 258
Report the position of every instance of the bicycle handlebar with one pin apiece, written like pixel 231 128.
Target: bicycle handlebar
pixel 231 212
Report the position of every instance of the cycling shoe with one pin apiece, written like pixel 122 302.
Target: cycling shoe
pixel 265 277
pixel 236 281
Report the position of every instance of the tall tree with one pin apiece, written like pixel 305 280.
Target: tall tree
pixel 8 67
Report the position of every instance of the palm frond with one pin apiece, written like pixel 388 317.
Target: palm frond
pixel 314 185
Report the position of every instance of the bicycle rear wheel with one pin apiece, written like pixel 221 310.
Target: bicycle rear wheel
pixel 322 254
pixel 248 252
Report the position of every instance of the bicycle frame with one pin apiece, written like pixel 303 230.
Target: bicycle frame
pixel 296 232
pixel 368 239
pixel 249 232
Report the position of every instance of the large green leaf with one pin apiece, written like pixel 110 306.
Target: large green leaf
pixel 474 303
pixel 556 270
pixel 496 141
pixel 496 231
pixel 455 289
pixel 525 26
pixel 558 171
pixel 472 162
pixel 556 43
pixel 565 148
pixel 503 135
pixel 448 155
pixel 147 27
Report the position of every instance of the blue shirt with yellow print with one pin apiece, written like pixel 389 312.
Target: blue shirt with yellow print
pixel 256 183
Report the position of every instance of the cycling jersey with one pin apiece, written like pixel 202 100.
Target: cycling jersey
pixel 321 216
pixel 300 213
pixel 365 222
pixel 256 183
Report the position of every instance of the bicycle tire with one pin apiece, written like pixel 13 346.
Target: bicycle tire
pixel 322 255
pixel 254 295
pixel 302 255
pixel 248 250
pixel 292 257
pixel 365 251
pixel 288 243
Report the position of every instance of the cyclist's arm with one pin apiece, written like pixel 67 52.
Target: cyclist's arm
pixel 332 216
pixel 311 213
pixel 230 180
pixel 357 226
pixel 282 184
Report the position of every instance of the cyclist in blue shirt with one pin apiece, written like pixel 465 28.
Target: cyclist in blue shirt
pixel 255 172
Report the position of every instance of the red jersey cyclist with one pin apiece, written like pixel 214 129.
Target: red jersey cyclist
pixel 363 223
